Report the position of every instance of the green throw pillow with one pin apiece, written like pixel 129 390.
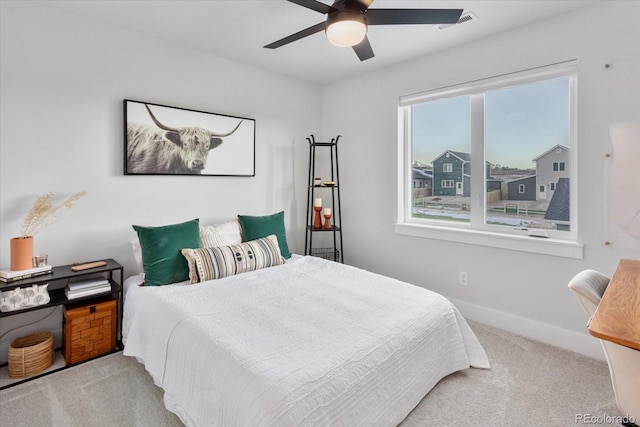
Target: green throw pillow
pixel 257 227
pixel 161 257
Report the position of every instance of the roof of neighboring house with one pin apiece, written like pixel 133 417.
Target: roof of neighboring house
pixel 418 173
pixel 520 178
pixel 558 209
pixel 550 150
pixel 465 157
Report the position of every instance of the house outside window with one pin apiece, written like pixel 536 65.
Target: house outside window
pixel 521 127
pixel 551 167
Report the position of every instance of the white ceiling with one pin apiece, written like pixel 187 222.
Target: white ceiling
pixel 238 30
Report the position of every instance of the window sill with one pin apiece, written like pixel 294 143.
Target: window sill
pixel 545 246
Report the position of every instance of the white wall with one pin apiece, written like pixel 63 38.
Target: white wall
pixel 518 291
pixel 63 78
pixel 62 82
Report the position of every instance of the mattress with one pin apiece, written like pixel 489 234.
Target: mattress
pixel 311 342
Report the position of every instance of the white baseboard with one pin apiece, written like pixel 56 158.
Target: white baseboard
pixel 583 344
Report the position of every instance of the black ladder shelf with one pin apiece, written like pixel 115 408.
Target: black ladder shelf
pixel 332 252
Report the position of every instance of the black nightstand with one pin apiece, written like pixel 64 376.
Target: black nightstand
pixel 58 280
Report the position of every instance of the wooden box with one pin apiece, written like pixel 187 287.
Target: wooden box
pixel 89 331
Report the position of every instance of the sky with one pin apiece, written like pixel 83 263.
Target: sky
pixel 521 123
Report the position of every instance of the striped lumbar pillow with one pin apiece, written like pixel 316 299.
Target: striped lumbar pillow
pixel 222 261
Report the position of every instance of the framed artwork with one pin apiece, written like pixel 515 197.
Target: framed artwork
pixel 162 140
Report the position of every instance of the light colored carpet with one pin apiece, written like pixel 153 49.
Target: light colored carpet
pixel 529 384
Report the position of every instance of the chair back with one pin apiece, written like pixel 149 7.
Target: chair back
pixel 589 286
pixel 624 367
pixel 624 362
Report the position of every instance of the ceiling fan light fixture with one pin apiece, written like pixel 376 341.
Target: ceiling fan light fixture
pixel 346 28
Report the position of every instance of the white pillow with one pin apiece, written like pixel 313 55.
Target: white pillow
pixel 224 234
pixel 137 254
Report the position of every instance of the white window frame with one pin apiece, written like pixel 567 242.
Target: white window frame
pixel 447 167
pixel 521 188
pixel 446 183
pixel 476 231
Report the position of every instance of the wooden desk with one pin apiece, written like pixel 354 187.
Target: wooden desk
pixel 617 317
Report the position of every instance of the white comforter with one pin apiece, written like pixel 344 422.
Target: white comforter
pixel 311 342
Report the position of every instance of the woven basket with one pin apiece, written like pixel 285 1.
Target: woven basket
pixel 30 355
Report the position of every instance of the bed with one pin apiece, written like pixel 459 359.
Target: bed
pixel 309 342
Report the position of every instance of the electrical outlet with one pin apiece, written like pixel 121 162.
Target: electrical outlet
pixel 464 279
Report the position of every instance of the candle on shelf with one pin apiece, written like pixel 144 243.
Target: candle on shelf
pixel 327 218
pixel 317 207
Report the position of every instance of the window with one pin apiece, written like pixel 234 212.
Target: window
pixel 519 127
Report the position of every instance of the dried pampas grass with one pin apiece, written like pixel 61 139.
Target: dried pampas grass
pixel 43 212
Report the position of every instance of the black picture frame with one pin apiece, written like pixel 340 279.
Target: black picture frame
pixel 165 140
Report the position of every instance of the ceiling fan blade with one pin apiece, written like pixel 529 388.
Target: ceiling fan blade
pixel 412 16
pixel 314 5
pixel 364 50
pixel 297 36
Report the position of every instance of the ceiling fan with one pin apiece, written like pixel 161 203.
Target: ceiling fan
pixel 347 21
